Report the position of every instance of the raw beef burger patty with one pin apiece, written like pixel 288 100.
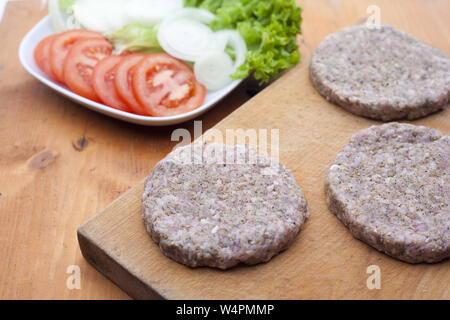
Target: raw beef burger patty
pixel 390 186
pixel 207 213
pixel 383 74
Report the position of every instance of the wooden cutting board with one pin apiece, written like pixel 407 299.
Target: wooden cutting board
pixel 325 261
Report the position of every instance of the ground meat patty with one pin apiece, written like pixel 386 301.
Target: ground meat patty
pixel 383 74
pixel 216 212
pixel 390 186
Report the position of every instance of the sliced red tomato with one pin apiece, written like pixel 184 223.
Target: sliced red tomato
pixel 123 81
pixel 42 55
pixel 61 45
pixel 165 86
pixel 80 62
pixel 103 82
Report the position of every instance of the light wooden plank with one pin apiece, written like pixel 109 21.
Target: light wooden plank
pixel 325 262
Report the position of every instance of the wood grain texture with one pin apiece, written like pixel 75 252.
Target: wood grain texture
pixel 61 163
pixel 325 262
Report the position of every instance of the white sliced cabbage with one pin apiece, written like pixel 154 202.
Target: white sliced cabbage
pixel 108 16
pixel 100 15
pixel 58 18
pixel 114 17
pixel 150 12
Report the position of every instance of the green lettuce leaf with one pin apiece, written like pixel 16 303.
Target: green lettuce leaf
pixel 65 5
pixel 136 37
pixel 269 27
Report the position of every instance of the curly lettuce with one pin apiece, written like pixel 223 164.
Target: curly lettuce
pixel 269 27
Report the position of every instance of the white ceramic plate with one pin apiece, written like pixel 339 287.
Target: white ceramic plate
pixel 45 28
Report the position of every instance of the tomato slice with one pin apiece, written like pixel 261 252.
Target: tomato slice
pixel 103 83
pixel 42 55
pixel 80 62
pixel 60 46
pixel 165 86
pixel 123 81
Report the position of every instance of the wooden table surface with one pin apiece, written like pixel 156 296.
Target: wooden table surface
pixel 61 163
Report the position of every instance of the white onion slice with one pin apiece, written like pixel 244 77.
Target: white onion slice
pixel 234 40
pixel 185 34
pixel 213 70
pixel 185 39
pixel 220 41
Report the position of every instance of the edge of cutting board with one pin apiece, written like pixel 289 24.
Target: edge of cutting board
pixel 97 256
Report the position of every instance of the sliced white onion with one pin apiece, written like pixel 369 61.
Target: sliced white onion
pixel 213 69
pixel 185 34
pixel 220 41
pixel 234 40
pixel 185 39
pixel 56 16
